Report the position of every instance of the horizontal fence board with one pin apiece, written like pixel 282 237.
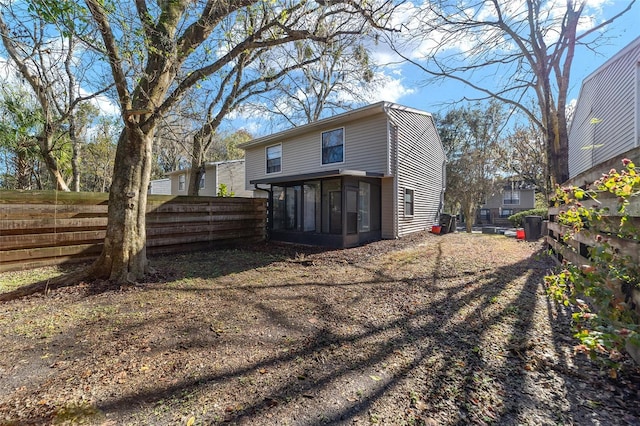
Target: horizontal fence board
pixel 53 197
pixel 204 228
pixel 40 228
pixel 44 225
pixel 187 239
pixel 31 211
pixel 13 242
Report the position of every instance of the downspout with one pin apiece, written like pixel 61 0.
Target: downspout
pixel 269 211
pixel 395 165
pixel 444 188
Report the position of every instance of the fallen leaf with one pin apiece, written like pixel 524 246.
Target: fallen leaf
pixel 376 378
pixel 191 421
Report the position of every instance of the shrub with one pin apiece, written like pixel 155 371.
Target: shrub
pixel 518 219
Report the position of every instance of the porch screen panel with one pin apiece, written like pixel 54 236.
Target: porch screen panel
pixel 364 207
pixel 312 206
pixel 352 211
pixel 332 206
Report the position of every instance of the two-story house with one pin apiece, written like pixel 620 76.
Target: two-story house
pixel 510 198
pixel 371 173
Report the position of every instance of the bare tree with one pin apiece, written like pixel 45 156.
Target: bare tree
pixel 509 51
pixel 178 55
pixel 341 78
pixel 470 136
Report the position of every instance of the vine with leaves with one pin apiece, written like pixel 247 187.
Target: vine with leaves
pixel 609 323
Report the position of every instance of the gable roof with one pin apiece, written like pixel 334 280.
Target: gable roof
pixel 366 111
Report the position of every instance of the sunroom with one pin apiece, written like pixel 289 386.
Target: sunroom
pixel 338 208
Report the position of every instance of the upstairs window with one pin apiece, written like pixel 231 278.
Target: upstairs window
pixel 511 197
pixel 333 146
pixel 274 158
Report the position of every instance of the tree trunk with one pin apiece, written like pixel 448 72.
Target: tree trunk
pixel 470 217
pixel 197 164
pixel 46 145
pixel 124 257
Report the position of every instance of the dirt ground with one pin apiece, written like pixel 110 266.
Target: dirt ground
pixel 426 330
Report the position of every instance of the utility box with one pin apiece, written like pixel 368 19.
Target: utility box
pixel 532 228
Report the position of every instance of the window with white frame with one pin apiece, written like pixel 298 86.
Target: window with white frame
pixel 333 146
pixel 274 158
pixel 408 201
pixel 202 180
pixel 182 180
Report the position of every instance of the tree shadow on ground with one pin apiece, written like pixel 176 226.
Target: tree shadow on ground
pixel 382 347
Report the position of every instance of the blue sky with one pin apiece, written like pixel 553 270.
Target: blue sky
pixel 436 97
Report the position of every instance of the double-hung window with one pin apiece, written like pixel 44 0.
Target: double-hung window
pixel 511 197
pixel 202 181
pixel 333 146
pixel 274 158
pixel 408 202
pixel 182 181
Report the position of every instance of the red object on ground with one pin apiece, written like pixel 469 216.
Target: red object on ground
pixel 520 234
pixel 436 229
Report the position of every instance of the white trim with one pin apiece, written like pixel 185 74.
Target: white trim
pixel 266 159
pixel 404 201
pixel 344 146
pixel 182 185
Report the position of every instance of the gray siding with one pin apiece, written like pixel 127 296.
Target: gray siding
pixel 365 148
pixel 609 95
pixel 232 175
pixel 160 186
pixel 420 168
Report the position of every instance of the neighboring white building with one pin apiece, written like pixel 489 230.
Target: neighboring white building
pixel 371 173
pixel 229 173
pixel 606 121
pixel 160 186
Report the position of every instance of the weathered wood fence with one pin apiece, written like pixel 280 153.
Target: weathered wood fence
pixel 576 248
pixel 40 228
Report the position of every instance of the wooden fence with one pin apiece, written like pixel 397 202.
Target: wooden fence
pixel 40 228
pixel 576 248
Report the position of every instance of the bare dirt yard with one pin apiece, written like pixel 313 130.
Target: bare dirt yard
pixel 426 330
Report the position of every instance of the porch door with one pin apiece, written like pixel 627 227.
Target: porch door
pixel 335 212
pixel 352 211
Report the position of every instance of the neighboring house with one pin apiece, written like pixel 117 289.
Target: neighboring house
pixel 229 173
pixel 511 198
pixel 371 173
pixel 160 186
pixel 606 121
